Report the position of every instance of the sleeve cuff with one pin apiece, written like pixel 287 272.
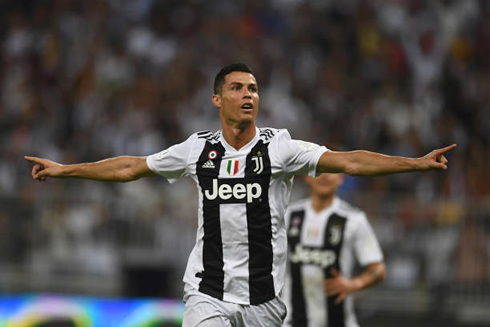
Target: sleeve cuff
pixel 321 150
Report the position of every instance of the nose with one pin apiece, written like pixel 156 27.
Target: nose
pixel 247 94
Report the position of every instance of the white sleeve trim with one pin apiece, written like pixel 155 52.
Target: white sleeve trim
pixel 319 152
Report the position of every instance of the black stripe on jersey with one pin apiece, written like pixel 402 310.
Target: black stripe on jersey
pixel 299 314
pixel 334 236
pixel 208 135
pixel 266 133
pixel 204 134
pixel 216 136
pixel 212 275
pixel 261 282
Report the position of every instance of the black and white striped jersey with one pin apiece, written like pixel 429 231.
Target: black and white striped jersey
pixel 332 238
pixel 241 244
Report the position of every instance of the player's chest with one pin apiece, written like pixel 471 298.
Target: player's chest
pixel 324 230
pixel 214 161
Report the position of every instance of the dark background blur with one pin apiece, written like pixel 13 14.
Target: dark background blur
pixel 86 80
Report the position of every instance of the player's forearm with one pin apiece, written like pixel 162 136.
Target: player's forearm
pixel 119 169
pixel 366 163
pixel 372 275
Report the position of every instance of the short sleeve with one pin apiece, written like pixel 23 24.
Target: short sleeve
pixel 298 157
pixel 366 244
pixel 172 163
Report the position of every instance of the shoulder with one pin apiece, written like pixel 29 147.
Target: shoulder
pixel 191 147
pixel 267 134
pixel 294 209
pixel 298 205
pixel 283 139
pixel 210 136
pixel 349 210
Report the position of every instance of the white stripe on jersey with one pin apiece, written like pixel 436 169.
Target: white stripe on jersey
pixel 235 249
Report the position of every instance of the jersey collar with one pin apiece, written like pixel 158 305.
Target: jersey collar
pixel 246 147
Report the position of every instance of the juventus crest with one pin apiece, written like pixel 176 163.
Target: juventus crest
pixel 335 234
pixel 259 164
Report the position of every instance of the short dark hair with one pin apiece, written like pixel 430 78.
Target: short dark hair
pixel 219 80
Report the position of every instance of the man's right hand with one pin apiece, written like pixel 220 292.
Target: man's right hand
pixel 44 168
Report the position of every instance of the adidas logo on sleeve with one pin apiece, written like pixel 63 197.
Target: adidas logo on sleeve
pixel 208 164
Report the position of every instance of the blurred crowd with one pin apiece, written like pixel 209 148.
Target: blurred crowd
pixel 85 80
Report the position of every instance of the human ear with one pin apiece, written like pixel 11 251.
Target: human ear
pixel 217 100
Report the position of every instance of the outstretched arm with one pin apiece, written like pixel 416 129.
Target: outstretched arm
pixel 119 169
pixel 342 287
pixel 366 163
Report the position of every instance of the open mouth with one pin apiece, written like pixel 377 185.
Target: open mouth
pixel 247 106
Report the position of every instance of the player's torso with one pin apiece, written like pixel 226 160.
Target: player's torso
pixel 239 231
pixel 318 242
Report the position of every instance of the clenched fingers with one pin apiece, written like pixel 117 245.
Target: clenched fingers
pixel 36 172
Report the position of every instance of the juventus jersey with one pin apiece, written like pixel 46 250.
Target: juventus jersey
pixel 241 243
pixel 332 238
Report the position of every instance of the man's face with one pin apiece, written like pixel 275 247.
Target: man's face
pixel 324 185
pixel 239 99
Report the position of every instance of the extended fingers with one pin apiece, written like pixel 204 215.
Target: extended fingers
pixel 331 290
pixel 340 298
pixel 32 159
pixel 446 149
pixel 331 286
pixel 328 285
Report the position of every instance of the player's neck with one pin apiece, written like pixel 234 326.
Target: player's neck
pixel 239 136
pixel 320 203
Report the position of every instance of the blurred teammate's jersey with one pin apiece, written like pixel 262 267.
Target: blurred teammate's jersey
pixel 318 242
pixel 240 250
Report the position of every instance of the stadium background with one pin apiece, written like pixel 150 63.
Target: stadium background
pixel 86 80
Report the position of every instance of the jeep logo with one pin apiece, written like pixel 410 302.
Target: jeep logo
pixel 322 258
pixel 238 191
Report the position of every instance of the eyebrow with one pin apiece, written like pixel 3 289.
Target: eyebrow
pixel 241 84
